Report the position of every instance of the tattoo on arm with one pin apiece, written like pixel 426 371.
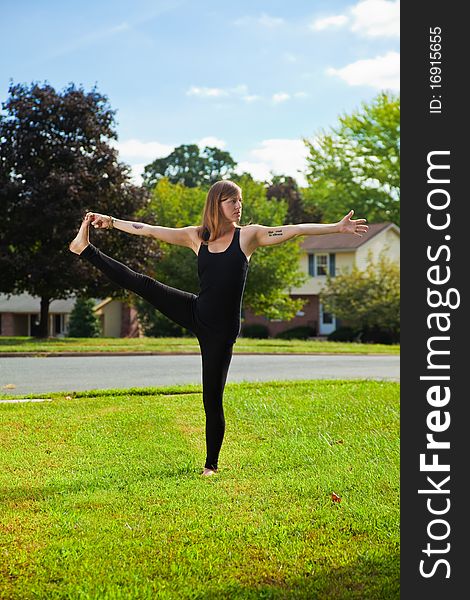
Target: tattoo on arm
pixel 275 232
pixel 137 226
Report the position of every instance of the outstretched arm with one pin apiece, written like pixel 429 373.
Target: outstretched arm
pixel 346 225
pixel 181 236
pixel 268 236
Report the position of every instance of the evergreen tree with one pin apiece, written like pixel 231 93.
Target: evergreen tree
pixel 83 321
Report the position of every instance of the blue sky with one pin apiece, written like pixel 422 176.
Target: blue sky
pixel 251 77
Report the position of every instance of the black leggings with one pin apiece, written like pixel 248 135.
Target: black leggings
pixel 179 306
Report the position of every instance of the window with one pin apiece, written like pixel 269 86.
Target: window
pixel 58 323
pixel 311 265
pixel 321 264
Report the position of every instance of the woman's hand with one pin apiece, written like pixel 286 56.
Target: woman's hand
pixel 346 225
pixel 100 221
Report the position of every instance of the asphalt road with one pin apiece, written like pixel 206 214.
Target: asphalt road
pixel 38 375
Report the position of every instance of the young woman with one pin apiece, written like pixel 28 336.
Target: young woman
pixel 223 250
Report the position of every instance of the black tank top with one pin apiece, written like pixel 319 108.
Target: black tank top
pixel 222 278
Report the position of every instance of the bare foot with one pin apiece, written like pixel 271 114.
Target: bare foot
pixel 81 241
pixel 209 471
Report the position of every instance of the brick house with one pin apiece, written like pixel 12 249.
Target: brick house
pixel 330 254
pixel 19 316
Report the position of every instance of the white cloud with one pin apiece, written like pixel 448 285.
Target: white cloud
pixel 138 154
pixel 280 97
pixel 326 22
pixel 137 171
pixel 212 142
pixel 289 57
pixel 206 92
pixel 258 170
pixel 382 72
pixel 135 150
pixel 267 21
pixel 278 156
pixel 264 20
pixel 376 18
pixel 370 18
pixel 284 96
pixel 251 98
pixel 240 90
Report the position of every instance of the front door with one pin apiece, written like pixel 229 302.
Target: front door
pixel 327 322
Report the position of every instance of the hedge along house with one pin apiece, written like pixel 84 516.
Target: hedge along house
pixel 330 254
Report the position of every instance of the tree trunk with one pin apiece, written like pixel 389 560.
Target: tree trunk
pixel 43 324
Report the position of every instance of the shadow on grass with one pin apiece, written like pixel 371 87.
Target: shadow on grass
pixel 22 341
pixel 363 579
pixel 103 481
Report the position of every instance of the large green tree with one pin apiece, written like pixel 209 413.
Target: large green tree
pixel 189 166
pixel 357 163
pixel 272 270
pixel 56 163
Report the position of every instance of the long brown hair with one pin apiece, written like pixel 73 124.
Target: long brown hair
pixel 211 224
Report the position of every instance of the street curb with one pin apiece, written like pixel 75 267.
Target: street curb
pixel 53 354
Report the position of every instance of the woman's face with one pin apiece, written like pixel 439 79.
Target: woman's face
pixel 232 208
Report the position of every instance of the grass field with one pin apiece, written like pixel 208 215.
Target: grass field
pixel 102 496
pixel 181 345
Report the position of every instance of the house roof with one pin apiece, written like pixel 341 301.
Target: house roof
pixel 103 303
pixel 345 241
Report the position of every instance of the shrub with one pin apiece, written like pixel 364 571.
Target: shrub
pixel 256 330
pixel 160 326
pixel 369 299
pixel 156 324
pixel 376 335
pixel 344 334
pixel 302 332
pixel 83 321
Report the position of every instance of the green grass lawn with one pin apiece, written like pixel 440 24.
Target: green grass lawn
pixel 190 344
pixel 102 497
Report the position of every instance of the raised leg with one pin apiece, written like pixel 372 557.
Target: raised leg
pixel 175 304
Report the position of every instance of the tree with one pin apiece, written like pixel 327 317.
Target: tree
pixel 56 163
pixel 83 321
pixel 286 188
pixel 366 299
pixel 272 270
pixel 189 166
pixel 357 164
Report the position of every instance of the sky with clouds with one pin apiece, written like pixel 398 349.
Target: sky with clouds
pixel 251 77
